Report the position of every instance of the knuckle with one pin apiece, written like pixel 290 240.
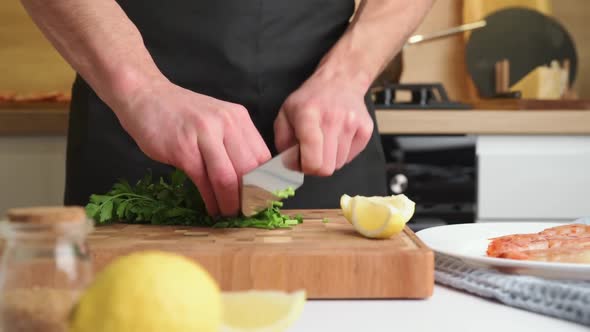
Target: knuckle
pixel 309 111
pixel 227 119
pixel 350 122
pixel 205 127
pixel 330 119
pixel 263 156
pixel 224 178
pixel 240 108
pixel 293 102
pixel 240 111
pixel 246 167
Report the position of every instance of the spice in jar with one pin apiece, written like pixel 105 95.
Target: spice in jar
pixel 47 266
pixel 36 309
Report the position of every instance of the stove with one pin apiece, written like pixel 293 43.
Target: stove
pixel 423 96
pixel 438 172
pixel 441 180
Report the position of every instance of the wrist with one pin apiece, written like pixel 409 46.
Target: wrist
pixel 129 84
pixel 348 66
pixel 356 78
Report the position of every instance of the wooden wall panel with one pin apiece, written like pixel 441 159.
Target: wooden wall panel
pixel 28 62
pixel 441 60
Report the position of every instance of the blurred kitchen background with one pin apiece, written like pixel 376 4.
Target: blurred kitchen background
pixel 484 115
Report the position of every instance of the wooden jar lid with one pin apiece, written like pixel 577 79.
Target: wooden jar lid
pixel 46 214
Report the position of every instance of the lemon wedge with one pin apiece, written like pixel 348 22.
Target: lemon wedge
pixel 261 310
pixel 345 206
pixel 377 216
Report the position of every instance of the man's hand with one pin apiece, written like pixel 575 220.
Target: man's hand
pixel 327 115
pixel 213 141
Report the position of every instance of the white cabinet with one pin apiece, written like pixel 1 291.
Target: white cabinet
pixel 533 177
pixel 32 171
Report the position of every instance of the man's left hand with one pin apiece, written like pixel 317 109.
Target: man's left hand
pixel 328 117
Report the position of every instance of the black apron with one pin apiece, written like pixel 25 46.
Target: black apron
pixel 254 53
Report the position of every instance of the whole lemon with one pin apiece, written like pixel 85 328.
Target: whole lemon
pixel 149 291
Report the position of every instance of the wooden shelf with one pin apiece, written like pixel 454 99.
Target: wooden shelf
pixel 52 119
pixel 488 122
pixel 35 119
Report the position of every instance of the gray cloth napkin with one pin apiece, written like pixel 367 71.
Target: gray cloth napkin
pixel 569 300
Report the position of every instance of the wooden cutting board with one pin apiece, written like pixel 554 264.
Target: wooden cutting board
pixel 329 260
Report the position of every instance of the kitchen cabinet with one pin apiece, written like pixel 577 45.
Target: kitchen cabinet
pixel 32 171
pixel 533 178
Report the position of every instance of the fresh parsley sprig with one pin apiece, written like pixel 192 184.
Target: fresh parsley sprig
pixel 176 202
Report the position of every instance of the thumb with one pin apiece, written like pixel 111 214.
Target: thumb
pixel 284 134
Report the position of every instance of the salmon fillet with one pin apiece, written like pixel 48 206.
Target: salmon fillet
pixel 567 243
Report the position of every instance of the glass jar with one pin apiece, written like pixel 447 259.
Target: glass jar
pixel 45 266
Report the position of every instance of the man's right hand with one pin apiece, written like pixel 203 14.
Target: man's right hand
pixel 213 141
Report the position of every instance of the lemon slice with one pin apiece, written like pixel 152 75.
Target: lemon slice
pixel 345 206
pixel 405 205
pixel 261 311
pixel 377 216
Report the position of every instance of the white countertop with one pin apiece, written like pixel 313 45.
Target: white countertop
pixel 446 310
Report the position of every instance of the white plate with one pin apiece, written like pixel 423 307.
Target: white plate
pixel 468 242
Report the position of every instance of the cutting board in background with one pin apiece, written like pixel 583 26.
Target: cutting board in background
pixel 328 260
pixel 475 10
pixel 526 38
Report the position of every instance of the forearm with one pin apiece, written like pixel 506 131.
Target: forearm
pixel 99 41
pixel 378 31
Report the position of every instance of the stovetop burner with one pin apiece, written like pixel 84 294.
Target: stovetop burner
pixel 423 96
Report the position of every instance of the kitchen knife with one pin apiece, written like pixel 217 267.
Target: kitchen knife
pixel 258 187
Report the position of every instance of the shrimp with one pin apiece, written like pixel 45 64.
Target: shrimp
pixel 562 243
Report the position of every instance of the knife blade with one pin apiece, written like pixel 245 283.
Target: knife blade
pixel 258 187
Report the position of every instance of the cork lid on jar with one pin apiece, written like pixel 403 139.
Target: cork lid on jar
pixel 46 214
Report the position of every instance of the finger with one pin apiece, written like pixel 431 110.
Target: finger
pixel 239 151
pixel 360 140
pixel 284 133
pixel 221 174
pixel 330 148
pixel 253 140
pixel 194 167
pixel 309 134
pixel 345 140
